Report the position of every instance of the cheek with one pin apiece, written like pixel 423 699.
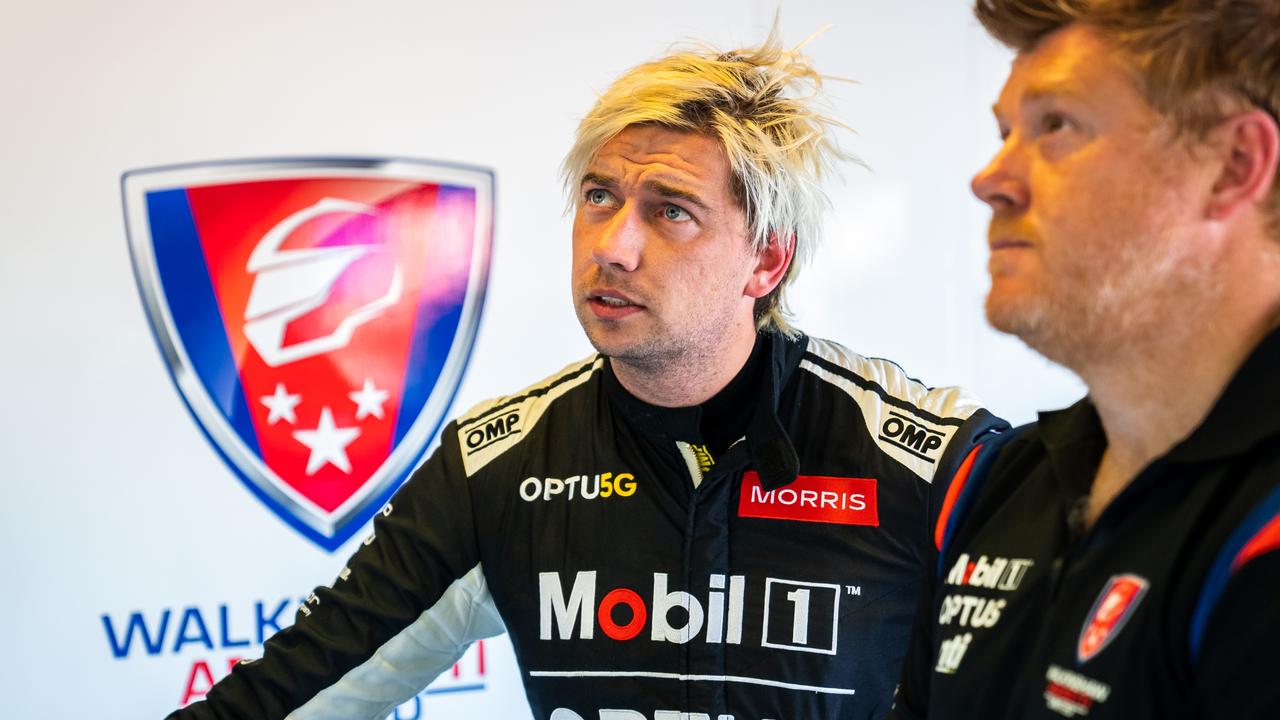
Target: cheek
pixel 581 243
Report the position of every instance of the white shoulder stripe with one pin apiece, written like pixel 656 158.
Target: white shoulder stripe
pixel 408 662
pixel 495 426
pixel 912 423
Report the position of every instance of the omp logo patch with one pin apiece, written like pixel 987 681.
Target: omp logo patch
pixel 911 435
pixel 478 437
pixel 811 498
pixel 491 429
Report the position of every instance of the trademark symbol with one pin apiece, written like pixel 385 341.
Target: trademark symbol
pixel 853 590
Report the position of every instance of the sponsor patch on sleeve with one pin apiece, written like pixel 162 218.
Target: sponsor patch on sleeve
pixel 812 498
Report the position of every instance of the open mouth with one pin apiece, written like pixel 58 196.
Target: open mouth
pixel 610 304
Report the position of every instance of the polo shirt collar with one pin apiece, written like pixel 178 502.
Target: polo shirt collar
pixel 1244 415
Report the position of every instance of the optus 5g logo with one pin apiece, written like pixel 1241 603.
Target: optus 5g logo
pixel 585 487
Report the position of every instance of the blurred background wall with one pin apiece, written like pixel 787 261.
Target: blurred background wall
pixel 117 512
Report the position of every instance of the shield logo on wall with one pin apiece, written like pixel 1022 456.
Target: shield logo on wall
pixel 316 316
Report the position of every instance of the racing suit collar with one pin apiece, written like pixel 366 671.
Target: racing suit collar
pixel 772 453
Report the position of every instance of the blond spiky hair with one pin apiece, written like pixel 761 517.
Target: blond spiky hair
pixel 761 104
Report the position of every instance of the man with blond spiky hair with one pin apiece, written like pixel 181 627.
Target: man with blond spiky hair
pixel 1121 558
pixel 712 517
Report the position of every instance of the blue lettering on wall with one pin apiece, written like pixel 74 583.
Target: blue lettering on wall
pixel 227 642
pixel 137 624
pixel 272 621
pixel 154 636
pixel 189 615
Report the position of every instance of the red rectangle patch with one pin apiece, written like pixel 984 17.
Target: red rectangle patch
pixel 812 498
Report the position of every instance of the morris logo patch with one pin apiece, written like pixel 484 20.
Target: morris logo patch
pixel 316 316
pixel 811 498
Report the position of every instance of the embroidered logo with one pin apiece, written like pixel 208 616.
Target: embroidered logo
pixel 1112 609
pixel 812 498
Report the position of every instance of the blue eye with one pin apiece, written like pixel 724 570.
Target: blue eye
pixel 597 196
pixel 675 213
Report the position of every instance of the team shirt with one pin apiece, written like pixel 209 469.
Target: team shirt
pixel 1168 607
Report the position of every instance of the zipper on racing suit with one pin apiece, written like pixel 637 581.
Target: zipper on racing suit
pixel 691 461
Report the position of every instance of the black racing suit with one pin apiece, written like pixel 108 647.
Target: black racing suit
pixel 637 575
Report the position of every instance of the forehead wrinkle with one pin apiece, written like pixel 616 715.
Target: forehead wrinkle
pixel 667 174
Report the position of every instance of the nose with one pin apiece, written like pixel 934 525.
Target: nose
pixel 619 240
pixel 1002 184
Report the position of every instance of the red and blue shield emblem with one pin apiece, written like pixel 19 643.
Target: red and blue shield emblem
pixel 1109 614
pixel 316 316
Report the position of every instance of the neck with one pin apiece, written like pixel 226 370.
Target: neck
pixel 691 379
pixel 1153 391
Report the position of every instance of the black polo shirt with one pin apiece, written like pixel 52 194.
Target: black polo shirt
pixel 1168 607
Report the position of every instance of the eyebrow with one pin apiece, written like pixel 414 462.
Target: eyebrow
pixel 1046 91
pixel 655 186
pixel 597 179
pixel 674 193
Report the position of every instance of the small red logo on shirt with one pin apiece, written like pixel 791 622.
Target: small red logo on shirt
pixel 1109 614
pixel 812 498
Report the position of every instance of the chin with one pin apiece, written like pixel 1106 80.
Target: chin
pixel 1017 317
pixel 1005 313
pixel 1067 341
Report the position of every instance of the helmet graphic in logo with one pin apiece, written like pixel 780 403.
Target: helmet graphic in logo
pixel 1110 612
pixel 316 316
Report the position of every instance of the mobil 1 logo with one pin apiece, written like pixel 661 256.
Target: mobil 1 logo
pixel 801 616
pixel 797 616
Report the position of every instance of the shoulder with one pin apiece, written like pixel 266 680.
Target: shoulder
pixel 1244 567
pixel 494 426
pixel 911 422
pixel 887 382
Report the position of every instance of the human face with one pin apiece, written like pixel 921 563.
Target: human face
pixel 661 257
pixel 1094 205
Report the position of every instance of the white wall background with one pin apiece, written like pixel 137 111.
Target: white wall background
pixel 113 500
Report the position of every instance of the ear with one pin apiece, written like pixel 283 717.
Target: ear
pixel 770 266
pixel 1250 144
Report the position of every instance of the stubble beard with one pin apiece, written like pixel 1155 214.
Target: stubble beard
pixel 671 354
pixel 1143 299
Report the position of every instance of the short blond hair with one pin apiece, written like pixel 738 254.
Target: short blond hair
pixel 761 103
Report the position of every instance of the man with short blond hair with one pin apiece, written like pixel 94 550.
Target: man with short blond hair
pixel 1121 558
pixel 712 517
